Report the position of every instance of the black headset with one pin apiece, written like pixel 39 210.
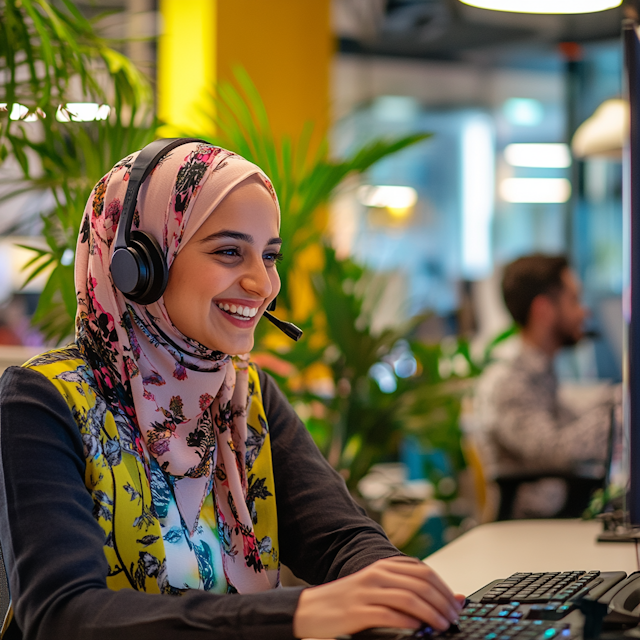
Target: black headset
pixel 138 265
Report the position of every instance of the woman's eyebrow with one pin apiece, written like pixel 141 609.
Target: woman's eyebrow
pixel 237 235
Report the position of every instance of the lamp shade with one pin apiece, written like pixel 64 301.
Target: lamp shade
pixel 604 133
pixel 545 6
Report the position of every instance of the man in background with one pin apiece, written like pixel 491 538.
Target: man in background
pixel 524 426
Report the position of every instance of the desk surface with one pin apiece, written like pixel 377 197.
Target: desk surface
pixel 498 549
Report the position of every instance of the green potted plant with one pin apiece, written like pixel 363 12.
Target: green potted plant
pixel 44 49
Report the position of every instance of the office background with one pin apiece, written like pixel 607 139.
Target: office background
pixel 424 232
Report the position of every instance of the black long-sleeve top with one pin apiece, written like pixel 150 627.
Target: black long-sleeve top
pixel 53 547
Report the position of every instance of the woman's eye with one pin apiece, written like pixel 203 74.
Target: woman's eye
pixel 273 257
pixel 231 253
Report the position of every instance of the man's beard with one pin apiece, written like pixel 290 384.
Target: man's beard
pixel 566 338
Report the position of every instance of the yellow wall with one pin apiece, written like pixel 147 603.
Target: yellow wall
pixel 186 60
pixel 286 47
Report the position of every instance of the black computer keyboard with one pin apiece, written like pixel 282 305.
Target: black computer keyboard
pixel 525 606
pixel 542 587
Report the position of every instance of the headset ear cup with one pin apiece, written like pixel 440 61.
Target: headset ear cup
pixel 152 261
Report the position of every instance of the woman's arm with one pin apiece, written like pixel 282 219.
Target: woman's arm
pixel 53 547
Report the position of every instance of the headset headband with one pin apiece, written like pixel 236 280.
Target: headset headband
pixel 143 165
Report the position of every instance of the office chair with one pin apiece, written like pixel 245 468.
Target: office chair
pixel 579 492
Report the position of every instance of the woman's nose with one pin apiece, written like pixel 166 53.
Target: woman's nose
pixel 256 280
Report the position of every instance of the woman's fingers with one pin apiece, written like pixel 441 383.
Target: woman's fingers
pixel 427 593
pixel 412 605
pixel 430 580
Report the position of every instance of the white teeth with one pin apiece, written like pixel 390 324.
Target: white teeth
pixel 245 312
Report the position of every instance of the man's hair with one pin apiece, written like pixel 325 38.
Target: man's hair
pixel 528 277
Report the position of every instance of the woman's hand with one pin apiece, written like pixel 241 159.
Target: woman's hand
pixel 395 592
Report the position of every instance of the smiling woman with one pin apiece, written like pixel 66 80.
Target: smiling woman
pixel 152 457
pixel 234 254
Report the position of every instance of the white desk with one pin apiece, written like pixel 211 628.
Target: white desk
pixel 498 549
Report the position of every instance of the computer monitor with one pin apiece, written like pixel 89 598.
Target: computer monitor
pixel 631 258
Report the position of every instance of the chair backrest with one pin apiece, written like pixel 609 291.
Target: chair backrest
pixel 579 492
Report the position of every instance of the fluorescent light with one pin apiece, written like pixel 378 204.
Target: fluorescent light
pixel 523 112
pixel 392 197
pixel 83 112
pixel 545 6
pixel 551 156
pixel 477 184
pixel 18 112
pixel 547 190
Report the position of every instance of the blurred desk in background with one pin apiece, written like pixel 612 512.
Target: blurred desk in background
pixel 499 549
pixel 13 356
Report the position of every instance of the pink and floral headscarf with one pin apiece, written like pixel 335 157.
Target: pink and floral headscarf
pixel 187 403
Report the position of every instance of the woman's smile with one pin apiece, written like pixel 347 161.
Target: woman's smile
pixel 241 313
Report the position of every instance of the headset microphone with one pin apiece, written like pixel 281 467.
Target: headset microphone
pixel 288 328
pixel 138 265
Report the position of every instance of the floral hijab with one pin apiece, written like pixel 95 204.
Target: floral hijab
pixel 187 402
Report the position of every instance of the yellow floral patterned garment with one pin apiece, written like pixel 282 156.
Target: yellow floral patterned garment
pixel 133 498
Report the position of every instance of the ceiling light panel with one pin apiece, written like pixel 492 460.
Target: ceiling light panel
pixel 535 190
pixel 547 156
pixel 394 197
pixel 545 6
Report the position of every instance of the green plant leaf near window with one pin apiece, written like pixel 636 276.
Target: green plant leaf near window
pixel 46 49
pixel 49 52
pixel 73 161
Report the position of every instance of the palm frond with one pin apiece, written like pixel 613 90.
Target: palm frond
pixel 73 163
pixel 44 48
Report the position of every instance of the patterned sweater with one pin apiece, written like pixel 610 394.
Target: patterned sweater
pixel 524 426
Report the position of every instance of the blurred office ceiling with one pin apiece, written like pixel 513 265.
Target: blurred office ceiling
pixel 450 30
pixel 445 30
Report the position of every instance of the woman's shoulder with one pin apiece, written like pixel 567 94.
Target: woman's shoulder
pixel 67 370
pixel 61 359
